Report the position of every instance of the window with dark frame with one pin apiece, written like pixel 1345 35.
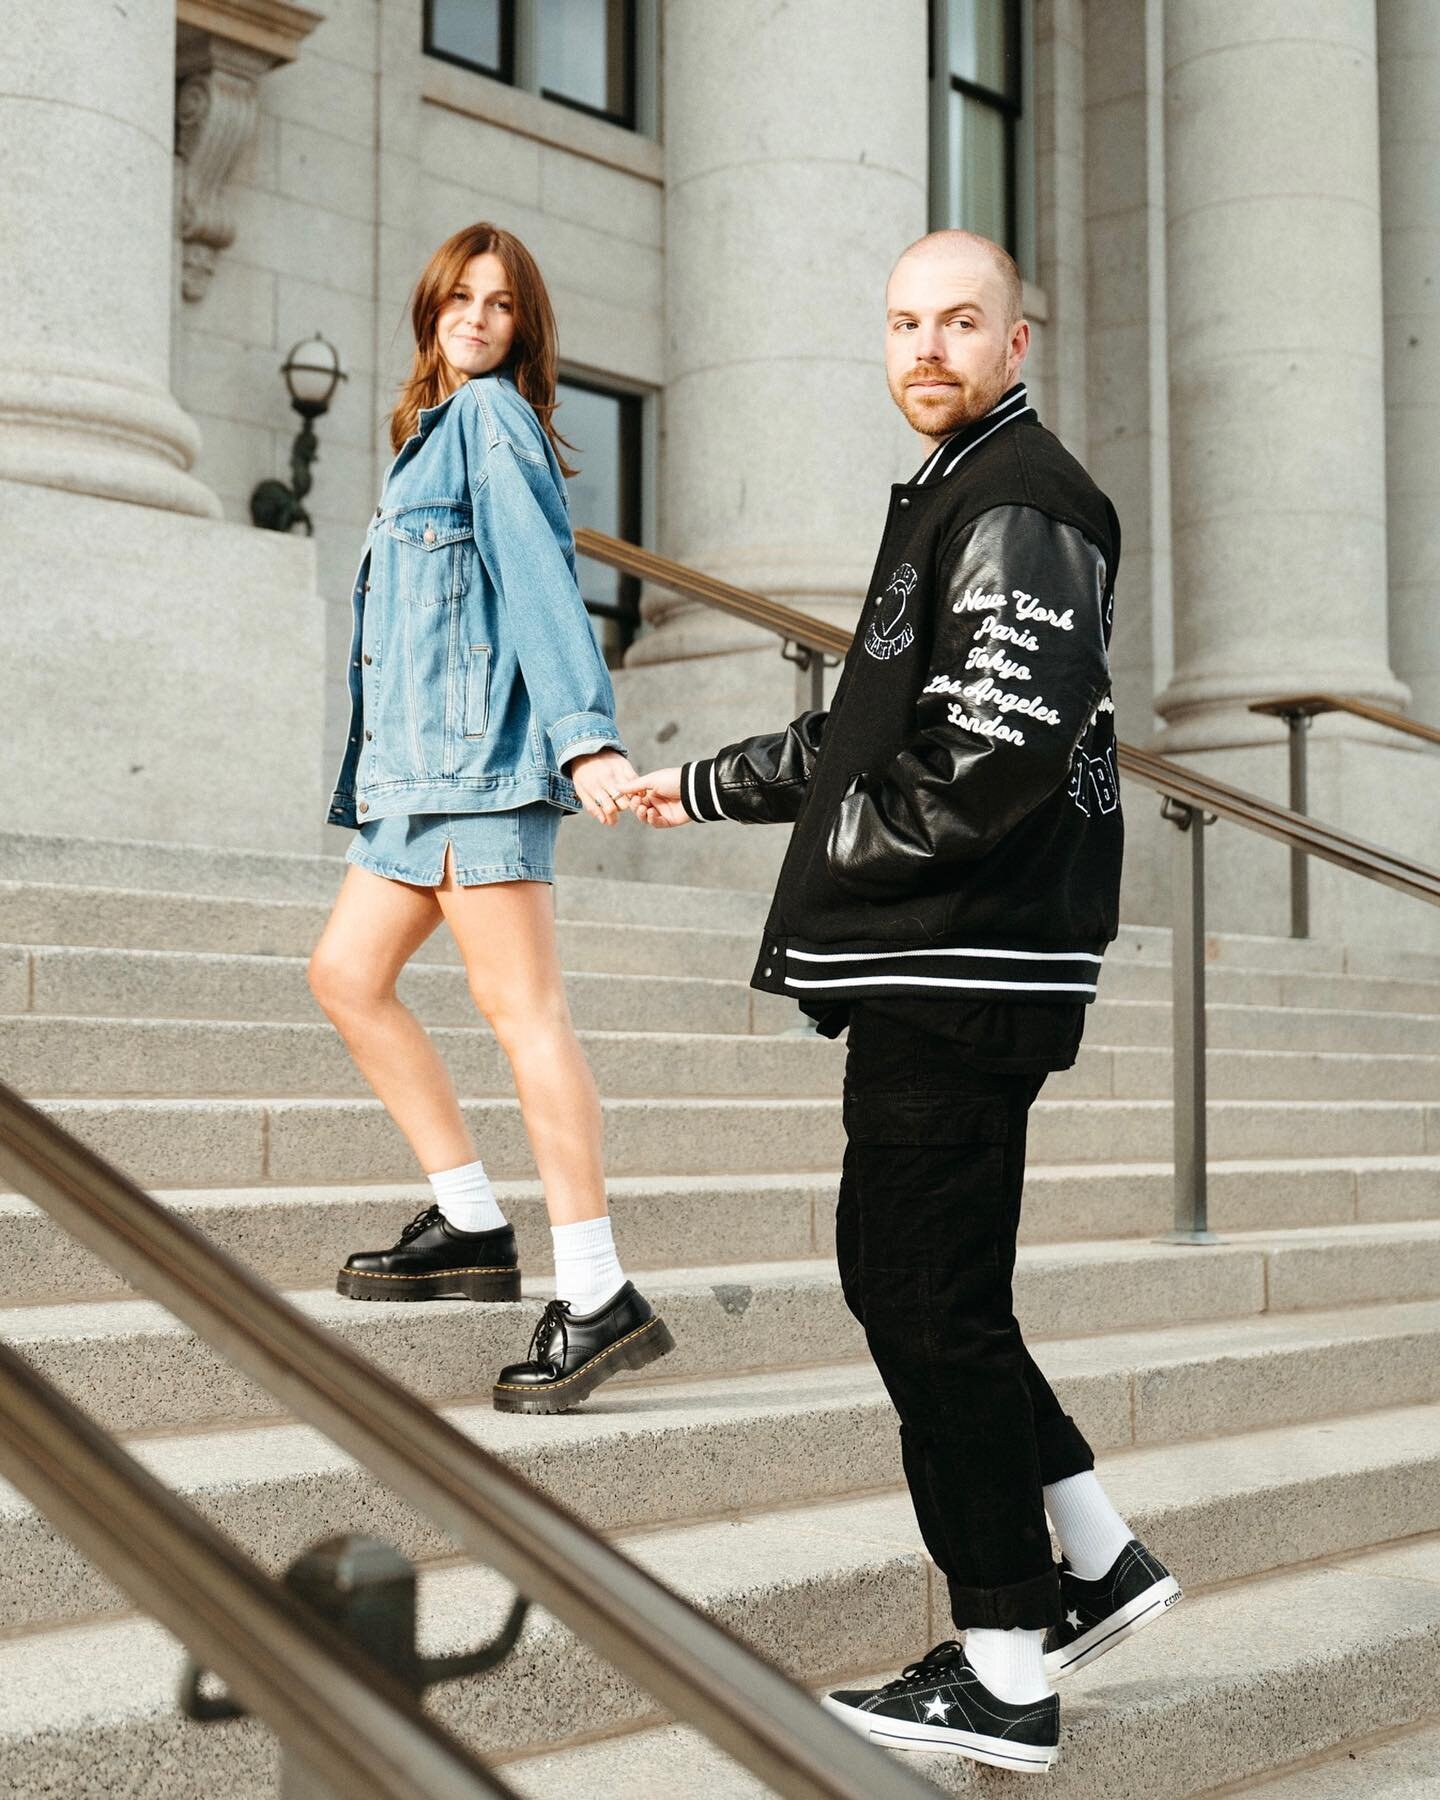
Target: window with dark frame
pixel 606 429
pixel 979 42
pixel 476 34
pixel 584 52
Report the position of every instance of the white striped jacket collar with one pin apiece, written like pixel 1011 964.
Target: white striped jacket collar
pixel 1012 405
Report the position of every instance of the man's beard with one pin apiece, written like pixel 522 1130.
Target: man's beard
pixel 939 414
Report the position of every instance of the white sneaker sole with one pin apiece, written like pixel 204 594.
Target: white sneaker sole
pixel 1134 1616
pixel 1000 1753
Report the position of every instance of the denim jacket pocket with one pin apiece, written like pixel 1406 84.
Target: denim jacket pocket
pixel 477 689
pixel 430 550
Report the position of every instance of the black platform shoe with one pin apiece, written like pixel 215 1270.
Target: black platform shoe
pixel 572 1353
pixel 434 1261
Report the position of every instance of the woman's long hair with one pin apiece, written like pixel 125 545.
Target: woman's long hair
pixel 531 363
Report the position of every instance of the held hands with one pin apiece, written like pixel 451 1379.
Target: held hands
pixel 654 799
pixel 603 781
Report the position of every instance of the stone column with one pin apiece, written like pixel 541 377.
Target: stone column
pixel 1410 217
pixel 797 170
pixel 1276 398
pixel 87 98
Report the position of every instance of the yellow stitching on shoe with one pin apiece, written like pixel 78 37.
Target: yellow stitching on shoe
pixel 527 1387
pixel 435 1274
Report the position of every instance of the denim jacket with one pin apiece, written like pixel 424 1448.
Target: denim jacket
pixel 474 675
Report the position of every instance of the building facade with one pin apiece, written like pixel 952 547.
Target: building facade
pixel 1227 218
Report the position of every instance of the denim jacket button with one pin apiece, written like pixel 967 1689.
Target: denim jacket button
pixel 429 534
pixel 364 806
pixel 377 512
pixel 366 659
pixel 368 736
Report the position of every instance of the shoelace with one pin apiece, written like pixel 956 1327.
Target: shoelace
pixel 932 1663
pixel 426 1217
pixel 551 1320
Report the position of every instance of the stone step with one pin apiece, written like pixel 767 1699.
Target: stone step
pixel 209 1143
pixel 137 1368
pixel 126 984
pixel 677 921
pixel 42 975
pixel 667 1451
pixel 189 870
pixel 1335 1660
pixel 1390 1765
pixel 77 918
pixel 298 1236
pixel 1121 980
pixel 1227 1027
pixel 80 1056
pixel 211 1059
pixel 1233 1681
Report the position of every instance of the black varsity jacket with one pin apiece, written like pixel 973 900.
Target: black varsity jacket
pixel 957 808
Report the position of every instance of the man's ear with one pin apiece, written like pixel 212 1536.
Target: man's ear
pixel 1019 346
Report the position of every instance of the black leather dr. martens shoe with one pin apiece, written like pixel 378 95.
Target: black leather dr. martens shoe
pixel 572 1353
pixel 434 1261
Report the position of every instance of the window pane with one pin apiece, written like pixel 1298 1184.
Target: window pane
pixel 599 494
pixel 584 49
pixel 980 47
pixel 468 29
pixel 977 133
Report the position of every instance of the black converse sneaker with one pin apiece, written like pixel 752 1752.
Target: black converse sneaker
pixel 1134 1592
pixel 433 1261
pixel 940 1703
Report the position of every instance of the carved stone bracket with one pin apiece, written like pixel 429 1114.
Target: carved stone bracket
pixel 223 49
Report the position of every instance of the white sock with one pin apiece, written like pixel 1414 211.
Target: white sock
pixel 1010 1663
pixel 587 1270
pixel 1091 1533
pixel 466 1198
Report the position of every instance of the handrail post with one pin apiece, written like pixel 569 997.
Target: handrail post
pixel 1187 976
pixel 1299 724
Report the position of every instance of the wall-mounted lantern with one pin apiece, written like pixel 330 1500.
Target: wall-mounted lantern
pixel 312 373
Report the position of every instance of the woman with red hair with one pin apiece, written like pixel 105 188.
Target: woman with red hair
pixel 481 713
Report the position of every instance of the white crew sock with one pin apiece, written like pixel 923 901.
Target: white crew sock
pixel 587 1270
pixel 1010 1663
pixel 466 1198
pixel 1091 1533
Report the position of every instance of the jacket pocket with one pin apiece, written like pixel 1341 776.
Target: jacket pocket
pixel 477 689
pixel 429 547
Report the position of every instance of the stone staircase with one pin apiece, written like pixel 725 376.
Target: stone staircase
pixel 1268 1411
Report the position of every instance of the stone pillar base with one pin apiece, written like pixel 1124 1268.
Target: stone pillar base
pixel 100 434
pixel 165 677
pixel 1367 783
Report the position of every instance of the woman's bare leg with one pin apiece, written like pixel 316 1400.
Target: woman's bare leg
pixel 375 928
pixel 506 934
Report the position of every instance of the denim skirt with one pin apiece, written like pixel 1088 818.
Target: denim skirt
pixel 518 845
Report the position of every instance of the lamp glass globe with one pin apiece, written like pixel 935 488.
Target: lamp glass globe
pixel 312 370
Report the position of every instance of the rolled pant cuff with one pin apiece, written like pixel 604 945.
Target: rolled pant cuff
pixel 1032 1605
pixel 1061 1449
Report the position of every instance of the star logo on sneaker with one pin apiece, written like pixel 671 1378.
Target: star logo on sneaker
pixel 1072 1619
pixel 936 1708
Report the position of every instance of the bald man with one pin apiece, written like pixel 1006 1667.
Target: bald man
pixel 949 888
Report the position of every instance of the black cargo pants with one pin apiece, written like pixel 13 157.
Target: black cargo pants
pixel 928 1213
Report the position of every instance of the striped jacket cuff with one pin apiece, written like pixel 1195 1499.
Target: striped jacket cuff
pixel 699 791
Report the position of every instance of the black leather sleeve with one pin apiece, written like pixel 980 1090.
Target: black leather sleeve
pixel 760 780
pixel 1017 665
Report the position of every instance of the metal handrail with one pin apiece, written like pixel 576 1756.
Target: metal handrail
pixel 1297 710
pixel 1310 706
pixel 1189 800
pixel 691 1665
pixel 341 1714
